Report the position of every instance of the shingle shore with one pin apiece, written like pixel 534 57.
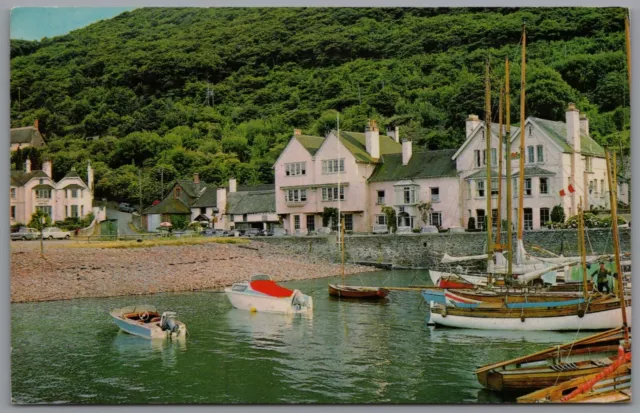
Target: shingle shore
pixel 66 273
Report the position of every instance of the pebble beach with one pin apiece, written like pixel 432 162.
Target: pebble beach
pixel 68 273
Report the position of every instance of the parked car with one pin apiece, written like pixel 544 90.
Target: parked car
pixel 55 233
pixel 124 207
pixel 214 233
pixel 25 233
pixel 252 232
pixel 456 230
pixel 429 229
pixel 235 233
pixel 279 232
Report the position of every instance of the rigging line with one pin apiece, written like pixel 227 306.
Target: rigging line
pixel 575 338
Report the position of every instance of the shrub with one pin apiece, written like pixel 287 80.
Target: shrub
pixel 392 222
pixel 557 214
pixel 471 224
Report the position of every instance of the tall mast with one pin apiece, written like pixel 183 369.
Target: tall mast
pixel 583 250
pixel 628 42
pixel 500 155
pixel 522 128
pixel 488 159
pixel 342 245
pixel 613 198
pixel 508 151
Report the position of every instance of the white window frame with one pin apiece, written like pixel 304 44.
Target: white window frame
pixel 435 197
pixel 409 195
pixel 43 193
pixel 480 187
pixel 295 169
pixel 380 198
pixel 332 166
pixel 13 193
pixel 435 222
pixel 546 183
pixel 515 186
pixel 542 221
pixel 528 187
pixel 494 187
pixel 74 193
pixel 380 221
pixel 330 193
pixel 47 209
pixel 494 157
pixel 296 222
pixel 540 154
pixel 74 207
pixel 588 164
pixel 530 154
pixel 296 195
pixel 348 222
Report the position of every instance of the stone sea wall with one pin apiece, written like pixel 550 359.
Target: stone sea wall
pixel 426 250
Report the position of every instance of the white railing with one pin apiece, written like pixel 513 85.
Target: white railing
pixel 380 229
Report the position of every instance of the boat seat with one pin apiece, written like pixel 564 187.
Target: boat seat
pixel 155 319
pixel 602 362
pixel 564 367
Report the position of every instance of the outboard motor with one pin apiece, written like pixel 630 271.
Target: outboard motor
pixel 168 322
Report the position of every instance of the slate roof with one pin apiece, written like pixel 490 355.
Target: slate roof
pixel 528 171
pixel 192 190
pixel 482 173
pixel 261 187
pixel 422 165
pixel 251 202
pixel 169 205
pixel 356 144
pixel 558 132
pixel 28 134
pixel 208 198
pixel 20 178
pixel 310 143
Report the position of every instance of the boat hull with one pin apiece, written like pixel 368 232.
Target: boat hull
pixel 600 320
pixel 148 330
pixel 336 290
pixel 254 301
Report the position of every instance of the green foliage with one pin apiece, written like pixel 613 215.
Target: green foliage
pixel 590 221
pixel 557 214
pixel 218 91
pixel 471 224
pixel 179 222
pixel 390 214
pixel 36 220
pixel 425 209
pixel 330 214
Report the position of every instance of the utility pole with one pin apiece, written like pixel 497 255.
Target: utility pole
pixel 161 183
pixel 140 187
pixel 43 221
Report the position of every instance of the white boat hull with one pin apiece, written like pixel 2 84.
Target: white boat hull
pixel 252 301
pixel 473 279
pixel 602 320
pixel 148 330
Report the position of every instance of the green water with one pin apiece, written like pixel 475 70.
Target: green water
pixel 347 352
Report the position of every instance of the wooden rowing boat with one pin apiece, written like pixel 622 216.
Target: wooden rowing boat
pixel 350 291
pixel 553 365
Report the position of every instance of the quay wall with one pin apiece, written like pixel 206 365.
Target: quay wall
pixel 426 250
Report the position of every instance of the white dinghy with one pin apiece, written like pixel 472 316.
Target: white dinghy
pixel 145 321
pixel 262 294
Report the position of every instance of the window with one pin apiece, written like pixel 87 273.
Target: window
pixel 494 187
pixel 527 186
pixel 348 222
pixel 528 219
pixel 540 153
pixel 296 221
pixel 545 216
pixel 480 189
pixel 311 223
pixel 244 218
pixel 515 187
pixel 435 194
pixel 468 189
pixel 409 195
pixel 530 158
pixel 602 188
pixel 232 218
pixel 74 193
pixel 544 186
pixel 595 187
pixel 43 193
pixel 484 157
pixel 435 218
pixel 81 210
pixel 404 220
pixel 294 169
pixel 176 193
pixel 331 193
pixel 476 154
pixel 332 166
pixel 494 218
pixel 74 210
pixel 13 193
pixel 480 219
pixel 203 210
pixel 13 212
pixel 46 209
pixel 380 197
pixel 296 195
pixel 587 161
pixel 381 219
pixel 66 210
pixel 590 187
pixel 494 157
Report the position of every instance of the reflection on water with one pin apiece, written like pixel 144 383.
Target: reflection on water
pixel 344 352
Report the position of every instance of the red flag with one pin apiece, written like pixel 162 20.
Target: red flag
pixel 571 190
pixel 562 193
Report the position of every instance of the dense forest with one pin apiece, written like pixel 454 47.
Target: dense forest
pixel 218 91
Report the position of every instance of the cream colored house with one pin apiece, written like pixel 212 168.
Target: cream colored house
pixel 36 190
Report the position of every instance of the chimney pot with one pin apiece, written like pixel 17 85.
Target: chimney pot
pixel 372 139
pixel 472 122
pixel 196 178
pixel 584 124
pixel 297 132
pixel 47 168
pixel 407 151
pixel 27 166
pixel 233 185
pixel 36 125
pixel 572 106
pixel 573 127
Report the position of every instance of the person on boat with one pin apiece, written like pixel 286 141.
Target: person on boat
pixel 601 277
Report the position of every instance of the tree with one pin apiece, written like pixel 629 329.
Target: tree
pixel 36 220
pixel 330 216
pixel 179 221
pixel 425 209
pixel 557 214
pixel 390 214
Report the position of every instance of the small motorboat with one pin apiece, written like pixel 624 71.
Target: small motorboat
pixel 351 291
pixel 145 321
pixel 262 294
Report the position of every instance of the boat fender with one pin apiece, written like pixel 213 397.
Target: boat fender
pixel 522 318
pixel 580 312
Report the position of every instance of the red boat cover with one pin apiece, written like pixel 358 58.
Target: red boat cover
pixel 269 287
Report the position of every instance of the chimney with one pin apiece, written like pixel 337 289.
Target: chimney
pixel 573 127
pixel 297 132
pixel 472 122
pixel 584 124
pixel 36 125
pixel 407 151
pixel 372 139
pixel 90 176
pixel 196 178
pixel 233 185
pixel 394 133
pixel 27 166
pixel 46 168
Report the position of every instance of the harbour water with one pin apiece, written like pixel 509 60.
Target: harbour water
pixel 346 352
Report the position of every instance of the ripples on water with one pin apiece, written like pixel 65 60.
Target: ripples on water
pixel 345 352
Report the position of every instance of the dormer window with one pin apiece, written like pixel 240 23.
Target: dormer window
pixel 530 129
pixel 176 193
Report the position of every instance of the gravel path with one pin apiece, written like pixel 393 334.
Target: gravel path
pixel 66 273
